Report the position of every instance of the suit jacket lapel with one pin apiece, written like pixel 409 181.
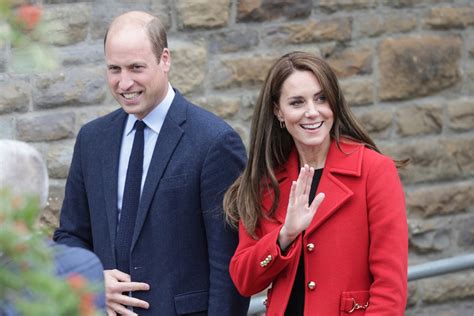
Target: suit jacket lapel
pixel 112 142
pixel 169 137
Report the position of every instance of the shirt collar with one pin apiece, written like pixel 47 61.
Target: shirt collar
pixel 154 120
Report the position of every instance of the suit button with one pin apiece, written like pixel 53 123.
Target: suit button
pixel 310 247
pixel 311 285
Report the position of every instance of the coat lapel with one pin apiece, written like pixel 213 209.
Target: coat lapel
pixel 110 161
pixel 169 137
pixel 346 160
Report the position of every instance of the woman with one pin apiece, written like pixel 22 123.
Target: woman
pixel 321 213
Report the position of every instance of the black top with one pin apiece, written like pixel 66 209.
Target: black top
pixel 295 305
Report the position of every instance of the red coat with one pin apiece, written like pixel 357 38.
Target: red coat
pixel 355 249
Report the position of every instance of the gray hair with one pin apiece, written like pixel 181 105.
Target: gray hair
pixel 22 170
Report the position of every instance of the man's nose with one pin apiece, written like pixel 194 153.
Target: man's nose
pixel 126 82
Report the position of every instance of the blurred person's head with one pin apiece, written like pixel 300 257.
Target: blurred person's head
pixel 23 170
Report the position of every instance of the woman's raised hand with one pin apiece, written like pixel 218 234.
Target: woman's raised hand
pixel 299 214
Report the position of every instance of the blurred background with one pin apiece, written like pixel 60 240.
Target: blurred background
pixel 406 67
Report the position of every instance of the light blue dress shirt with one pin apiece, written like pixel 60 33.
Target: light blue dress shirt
pixel 154 121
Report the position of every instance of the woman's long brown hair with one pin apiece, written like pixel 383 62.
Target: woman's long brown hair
pixel 270 145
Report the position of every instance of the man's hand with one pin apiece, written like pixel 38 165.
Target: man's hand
pixel 117 286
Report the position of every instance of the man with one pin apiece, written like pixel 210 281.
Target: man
pixel 154 215
pixel 23 172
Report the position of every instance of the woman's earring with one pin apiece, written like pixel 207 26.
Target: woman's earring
pixel 282 124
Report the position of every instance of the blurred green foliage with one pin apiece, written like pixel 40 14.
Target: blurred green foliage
pixel 28 283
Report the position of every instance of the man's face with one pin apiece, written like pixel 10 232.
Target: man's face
pixel 137 80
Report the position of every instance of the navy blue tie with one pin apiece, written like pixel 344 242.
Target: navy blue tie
pixel 131 200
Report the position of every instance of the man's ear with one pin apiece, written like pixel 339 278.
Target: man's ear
pixel 165 59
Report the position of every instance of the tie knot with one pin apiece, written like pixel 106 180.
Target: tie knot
pixel 140 125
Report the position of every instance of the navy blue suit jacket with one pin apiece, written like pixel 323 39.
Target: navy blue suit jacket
pixel 181 245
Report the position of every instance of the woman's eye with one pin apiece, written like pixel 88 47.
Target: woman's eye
pixel 296 103
pixel 321 99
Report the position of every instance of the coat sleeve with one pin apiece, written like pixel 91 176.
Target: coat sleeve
pixel 388 248
pixel 256 263
pixel 74 225
pixel 224 162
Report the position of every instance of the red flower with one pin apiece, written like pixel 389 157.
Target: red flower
pixel 79 284
pixel 29 15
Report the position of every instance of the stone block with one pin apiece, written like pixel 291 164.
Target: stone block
pixel 466 229
pixel 203 13
pixel 376 121
pixel 462 152
pixel 229 41
pixel 49 216
pixel 443 199
pixel 3 50
pixel 7 127
pixel 58 158
pixel 447 17
pixel 359 91
pixel 68 22
pixel 88 114
pixel 73 87
pixel 338 29
pixel 46 127
pixel 408 3
pixel 248 102
pixel 161 9
pixel 418 65
pixel 249 71
pixel 188 65
pixel 375 25
pixel 73 56
pixel 223 106
pixel 461 114
pixel 429 237
pixel 349 5
pixel 430 160
pixel 419 120
pixel 413 295
pixel 263 10
pixel 352 61
pixel 451 287
pixel 15 95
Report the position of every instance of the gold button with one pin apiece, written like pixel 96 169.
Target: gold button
pixel 310 247
pixel 311 285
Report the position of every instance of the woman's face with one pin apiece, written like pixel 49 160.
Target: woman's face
pixel 304 109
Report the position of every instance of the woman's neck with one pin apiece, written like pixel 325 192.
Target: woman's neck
pixel 313 156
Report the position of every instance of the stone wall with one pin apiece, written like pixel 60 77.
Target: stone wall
pixel 406 67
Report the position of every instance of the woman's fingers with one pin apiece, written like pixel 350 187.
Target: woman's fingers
pixel 291 200
pixel 309 181
pixel 317 201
